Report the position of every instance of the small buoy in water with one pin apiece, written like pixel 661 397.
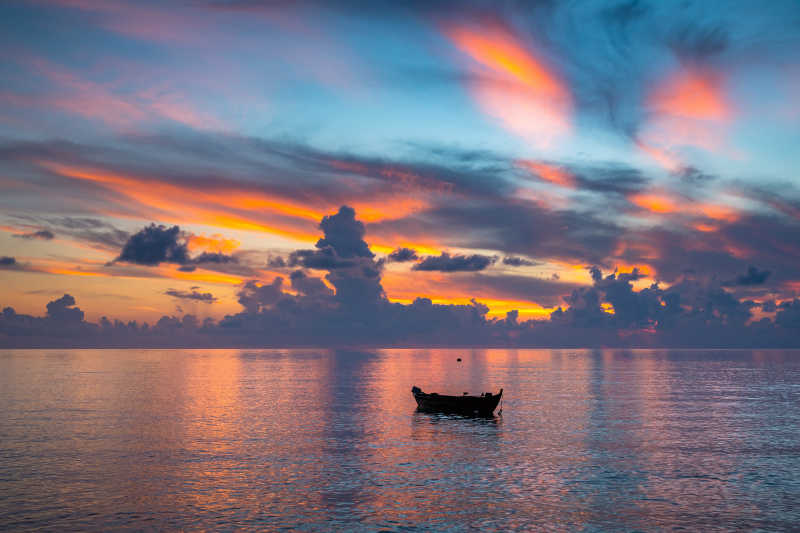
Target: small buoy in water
pixel 459 359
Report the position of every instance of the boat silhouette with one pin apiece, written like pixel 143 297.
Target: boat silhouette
pixel 483 405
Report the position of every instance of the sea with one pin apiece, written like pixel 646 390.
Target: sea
pixel 330 440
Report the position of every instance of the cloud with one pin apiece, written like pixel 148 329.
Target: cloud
pixel 193 294
pixel 154 245
pixel 356 312
pixel 788 315
pixel 255 297
pixel 531 99
pixel 309 286
pixel 322 259
pixel 455 263
pixel 213 257
pixel 98 233
pixel 276 262
pixel 44 234
pixel 403 255
pixel 344 234
pixel 517 261
pixel 62 310
pixel 753 276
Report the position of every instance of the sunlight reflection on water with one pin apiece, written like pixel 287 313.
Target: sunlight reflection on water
pixel 320 440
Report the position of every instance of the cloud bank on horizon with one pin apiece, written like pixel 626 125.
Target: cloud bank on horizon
pixel 349 306
pixel 617 172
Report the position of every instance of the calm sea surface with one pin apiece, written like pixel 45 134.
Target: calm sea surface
pixel 330 440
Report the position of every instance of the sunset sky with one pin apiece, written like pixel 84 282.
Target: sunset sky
pixel 509 146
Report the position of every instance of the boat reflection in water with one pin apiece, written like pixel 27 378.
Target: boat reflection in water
pixel 483 405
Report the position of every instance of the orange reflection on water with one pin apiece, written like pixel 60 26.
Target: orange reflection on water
pixel 322 439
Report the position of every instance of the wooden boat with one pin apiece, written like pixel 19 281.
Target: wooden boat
pixel 483 405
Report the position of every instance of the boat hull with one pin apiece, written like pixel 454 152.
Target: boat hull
pixel 464 405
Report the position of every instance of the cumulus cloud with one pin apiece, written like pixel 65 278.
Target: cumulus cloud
pixel 309 286
pixel 324 258
pixel 63 310
pixel 154 245
pixel 213 257
pixel 455 263
pixel 256 297
pixel 192 294
pixel 517 261
pixel 305 310
pixel 344 234
pixel 403 255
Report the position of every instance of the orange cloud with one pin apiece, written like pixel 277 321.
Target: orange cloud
pixel 445 289
pixel 691 93
pixel 718 212
pixel 530 99
pixel 182 203
pixel 404 196
pixel 655 203
pixel 705 228
pixel 662 203
pixel 690 108
pixel 235 209
pixel 553 174
pixel 214 243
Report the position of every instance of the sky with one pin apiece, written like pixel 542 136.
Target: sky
pixel 400 172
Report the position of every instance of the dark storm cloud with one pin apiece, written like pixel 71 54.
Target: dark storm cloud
pixel 517 261
pixel 403 255
pixel 192 294
pixel 455 263
pixel 44 234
